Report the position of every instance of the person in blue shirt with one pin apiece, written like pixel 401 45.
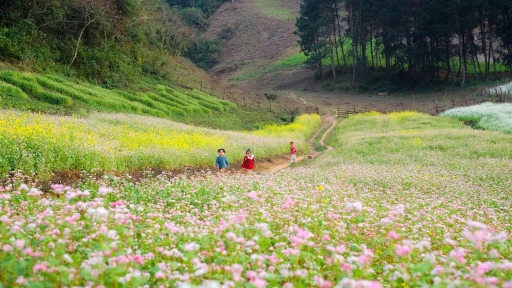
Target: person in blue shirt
pixel 222 162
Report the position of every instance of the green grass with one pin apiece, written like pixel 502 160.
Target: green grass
pixel 411 137
pixel 275 8
pixel 163 101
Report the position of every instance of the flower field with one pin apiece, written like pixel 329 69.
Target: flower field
pixel 404 200
pixel 488 116
pixel 43 144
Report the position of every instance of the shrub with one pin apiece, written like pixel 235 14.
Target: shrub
pixel 9 90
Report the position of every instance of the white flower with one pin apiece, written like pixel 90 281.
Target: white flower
pixel 386 221
pixel 191 246
pixel 501 237
pixel 356 206
pixel 477 225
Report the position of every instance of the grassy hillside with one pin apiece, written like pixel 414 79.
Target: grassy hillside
pixel 68 96
pixel 404 200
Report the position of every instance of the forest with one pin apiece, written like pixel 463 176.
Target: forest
pixel 415 40
pixel 112 42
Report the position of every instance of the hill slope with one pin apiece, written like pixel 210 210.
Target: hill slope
pixel 263 36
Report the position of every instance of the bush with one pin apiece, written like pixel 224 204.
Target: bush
pixel 194 17
pixel 9 90
pixel 227 32
pixel 29 85
pixel 205 53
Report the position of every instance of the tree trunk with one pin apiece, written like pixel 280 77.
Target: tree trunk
pixel 78 42
pixel 333 68
pixel 484 46
pixel 448 56
pixel 354 46
pixel 339 34
pixel 462 60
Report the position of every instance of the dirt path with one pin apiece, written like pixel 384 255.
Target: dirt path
pixel 328 120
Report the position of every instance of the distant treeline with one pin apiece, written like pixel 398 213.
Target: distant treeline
pixel 416 39
pixel 111 41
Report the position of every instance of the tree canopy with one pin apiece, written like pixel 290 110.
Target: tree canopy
pixel 417 39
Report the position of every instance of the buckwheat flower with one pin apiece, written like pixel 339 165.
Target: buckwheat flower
pixel 386 221
pixel 393 236
pixel 23 187
pixel 320 282
pixel 259 282
pixel 507 284
pixel 236 272
pixel 191 246
pixel 67 258
pixel 104 191
pixel 112 234
pixel 40 267
pixel 7 248
pixel 355 206
pixel 477 237
pixel 21 281
pixel 19 244
pixel 285 272
pixel 476 225
pixel 402 250
pixel 160 275
pixel 210 284
pixel 459 255
pixel 34 192
pixel 228 284
pixel 450 242
pixel 398 209
pixel 301 273
pixel 287 285
pixel 501 237
pixel 253 195
pixel 4 219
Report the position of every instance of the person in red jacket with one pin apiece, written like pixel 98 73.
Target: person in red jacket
pixel 249 161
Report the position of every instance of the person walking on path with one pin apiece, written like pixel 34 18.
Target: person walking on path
pixel 221 162
pixel 249 161
pixel 293 153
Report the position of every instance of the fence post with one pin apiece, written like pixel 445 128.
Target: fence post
pixel 453 103
pixel 245 105
pixel 354 109
pixel 317 110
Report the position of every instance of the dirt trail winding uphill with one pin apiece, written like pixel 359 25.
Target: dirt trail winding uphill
pixel 329 122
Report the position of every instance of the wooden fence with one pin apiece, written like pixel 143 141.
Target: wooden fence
pixel 432 107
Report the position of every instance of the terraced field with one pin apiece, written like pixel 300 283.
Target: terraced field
pixel 162 101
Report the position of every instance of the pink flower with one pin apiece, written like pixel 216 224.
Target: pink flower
pixel 7 248
pixel 19 244
pixel 259 283
pixel 40 267
pixel 477 237
pixel 319 281
pixel 236 272
pixel 402 250
pixel 507 284
pixel 139 259
pixel 459 255
pixel 288 203
pixel 393 236
pixel 122 259
pixel 253 195
pixel 159 275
